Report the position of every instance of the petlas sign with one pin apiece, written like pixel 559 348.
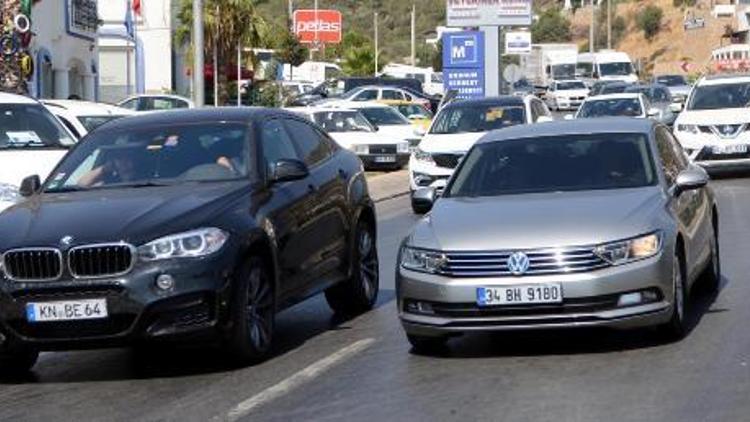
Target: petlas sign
pixel 322 26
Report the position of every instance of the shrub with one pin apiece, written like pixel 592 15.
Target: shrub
pixel 649 21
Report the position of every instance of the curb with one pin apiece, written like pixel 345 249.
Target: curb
pixel 389 197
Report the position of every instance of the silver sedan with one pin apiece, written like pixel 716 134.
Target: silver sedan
pixel 600 222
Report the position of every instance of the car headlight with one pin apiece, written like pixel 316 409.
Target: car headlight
pixel 423 156
pixel 361 149
pixel 9 193
pixel 403 147
pixel 192 244
pixel 687 128
pixel 419 132
pixel 630 250
pixel 422 260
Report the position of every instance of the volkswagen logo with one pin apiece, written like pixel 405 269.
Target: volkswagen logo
pixel 66 241
pixel 518 263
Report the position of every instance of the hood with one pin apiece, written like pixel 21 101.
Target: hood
pixel 17 164
pixel 724 116
pixel 131 215
pixel 539 220
pixel 397 132
pixel 452 142
pixel 347 139
pixel 623 78
pixel 572 93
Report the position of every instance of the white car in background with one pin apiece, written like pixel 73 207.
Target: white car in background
pixel 32 142
pixel 81 117
pixel 350 129
pixel 458 126
pixel 389 122
pixel 630 104
pixel 566 95
pixel 714 128
pixel 155 102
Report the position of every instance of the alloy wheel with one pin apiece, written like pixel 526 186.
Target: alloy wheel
pixel 368 263
pixel 259 312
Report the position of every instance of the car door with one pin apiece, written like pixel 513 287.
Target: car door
pixel 366 95
pixel 329 214
pixel 291 217
pixel 391 94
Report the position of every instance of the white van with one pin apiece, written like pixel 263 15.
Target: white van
pixel 606 66
pixel 315 72
pixel 432 82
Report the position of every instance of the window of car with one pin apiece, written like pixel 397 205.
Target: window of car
pixel 571 85
pixel 68 124
pixel 131 104
pixel 712 97
pixel 478 118
pixel 164 103
pixel 312 146
pixel 383 116
pixel 538 109
pixel 276 143
pixel 555 164
pixel 93 122
pixel 366 95
pixel 672 161
pixel 661 95
pixel 390 94
pixel 414 111
pixel 342 121
pixel 31 126
pixel 625 107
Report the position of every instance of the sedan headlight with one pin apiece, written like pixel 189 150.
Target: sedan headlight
pixel 9 193
pixel 192 244
pixel 423 156
pixel 403 147
pixel 422 260
pixel 361 149
pixel 687 128
pixel 630 250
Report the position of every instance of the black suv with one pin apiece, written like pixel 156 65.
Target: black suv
pixel 185 224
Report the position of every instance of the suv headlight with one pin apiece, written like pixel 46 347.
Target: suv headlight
pixel 403 147
pixel 630 250
pixel 192 244
pixel 422 260
pixel 9 193
pixel 423 156
pixel 361 149
pixel 688 128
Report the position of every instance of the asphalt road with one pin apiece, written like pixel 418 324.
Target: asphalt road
pixel 362 369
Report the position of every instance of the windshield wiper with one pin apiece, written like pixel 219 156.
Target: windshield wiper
pixel 66 189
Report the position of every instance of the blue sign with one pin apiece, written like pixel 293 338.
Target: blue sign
pixel 463 63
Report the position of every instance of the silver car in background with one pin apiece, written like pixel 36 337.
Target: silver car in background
pixel 594 222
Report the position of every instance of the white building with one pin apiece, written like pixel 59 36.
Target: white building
pixel 64 49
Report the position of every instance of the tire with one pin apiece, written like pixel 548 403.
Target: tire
pixel 425 344
pixel 18 360
pixel 676 328
pixel 359 293
pixel 712 275
pixel 253 313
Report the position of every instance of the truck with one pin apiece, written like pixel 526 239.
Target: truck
pixel 606 65
pixel 432 82
pixel 549 62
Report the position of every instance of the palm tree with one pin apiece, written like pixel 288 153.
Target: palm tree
pixel 227 25
pixel 359 61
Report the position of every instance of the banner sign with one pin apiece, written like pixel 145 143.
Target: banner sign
pixel 463 63
pixel 466 13
pixel 518 43
pixel 321 26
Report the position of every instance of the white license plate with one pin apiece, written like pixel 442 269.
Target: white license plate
pixel 730 149
pixel 385 159
pixel 520 295
pixel 70 310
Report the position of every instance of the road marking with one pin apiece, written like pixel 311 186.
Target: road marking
pixel 296 380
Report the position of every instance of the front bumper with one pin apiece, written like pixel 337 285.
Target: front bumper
pixel 384 160
pixel 424 174
pixel 701 149
pixel 138 311
pixel 589 300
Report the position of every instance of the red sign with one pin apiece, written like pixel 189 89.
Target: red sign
pixel 321 26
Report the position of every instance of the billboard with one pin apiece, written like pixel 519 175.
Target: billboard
pixel 463 63
pixel 518 43
pixel 321 26
pixel 467 13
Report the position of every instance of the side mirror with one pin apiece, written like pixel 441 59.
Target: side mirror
pixel 30 186
pixel 286 169
pixel 569 117
pixel 544 119
pixel 694 177
pixel 653 112
pixel 423 199
pixel 675 107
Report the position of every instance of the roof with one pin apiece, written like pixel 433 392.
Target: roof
pixel 571 127
pixel 7 98
pixel 310 110
pixel 177 97
pixel 506 100
pixel 622 96
pixel 87 107
pixel 356 105
pixel 722 79
pixel 195 115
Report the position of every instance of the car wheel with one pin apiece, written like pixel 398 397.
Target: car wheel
pixel 712 275
pixel 676 328
pixel 359 293
pixel 426 344
pixel 253 313
pixel 18 360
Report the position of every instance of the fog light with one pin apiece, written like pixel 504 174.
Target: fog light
pixel 630 299
pixel 165 282
pixel 421 179
pixel 415 307
pixel 650 296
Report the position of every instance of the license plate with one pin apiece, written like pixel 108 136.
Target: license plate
pixel 730 149
pixel 385 159
pixel 520 295
pixel 66 311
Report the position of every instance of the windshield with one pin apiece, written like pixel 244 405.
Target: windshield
pixel 615 88
pixel 155 156
pixel 627 107
pixel 342 121
pixel 384 116
pixel 477 118
pixel 584 69
pixel 414 111
pixel 711 97
pixel 563 71
pixel 615 69
pixel 654 94
pixel 671 80
pixel 93 122
pixel 554 164
pixel 31 126
pixel 569 86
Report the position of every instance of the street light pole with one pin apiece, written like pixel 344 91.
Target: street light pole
pixel 609 24
pixel 198 88
pixel 591 29
pixel 376 44
pixel 413 35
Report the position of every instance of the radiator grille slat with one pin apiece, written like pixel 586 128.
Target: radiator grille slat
pixel 100 260
pixel 541 262
pixel 33 264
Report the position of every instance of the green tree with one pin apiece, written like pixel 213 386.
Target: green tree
pixel 552 26
pixel 291 51
pixel 649 21
pixel 359 61
pixel 227 24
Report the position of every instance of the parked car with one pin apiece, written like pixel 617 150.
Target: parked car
pixel 614 88
pixel 334 88
pixel 598 86
pixel 378 93
pixel 596 223
pixel 32 140
pixel 616 105
pixel 185 225
pixel 678 86
pixel 659 98
pixel 566 95
pixel 386 119
pixel 419 115
pixel 351 130
pixel 155 102
pixel 81 117
pixel 455 129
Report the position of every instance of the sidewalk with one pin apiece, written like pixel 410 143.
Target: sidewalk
pixel 386 186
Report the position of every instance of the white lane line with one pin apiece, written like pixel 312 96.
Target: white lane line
pixel 296 380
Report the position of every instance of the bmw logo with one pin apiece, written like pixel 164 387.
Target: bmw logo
pixel 66 241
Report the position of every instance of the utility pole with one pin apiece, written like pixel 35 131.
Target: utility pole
pixel 216 66
pixel 609 24
pixel 591 29
pixel 290 10
pixel 413 35
pixel 239 74
pixel 198 88
pixel 376 44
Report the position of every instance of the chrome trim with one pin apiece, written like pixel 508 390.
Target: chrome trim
pixel 32 249
pixel 133 259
